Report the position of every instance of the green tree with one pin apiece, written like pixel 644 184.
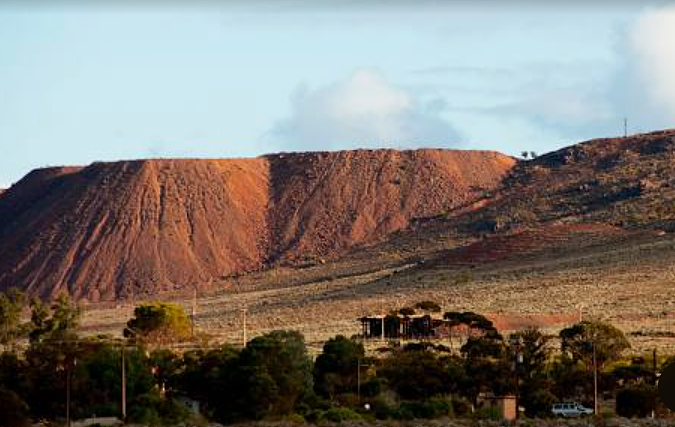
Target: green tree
pixel 207 376
pixel 11 305
pixel 476 323
pixel 637 401
pixel 39 318
pixel 57 322
pixel 13 410
pixel 158 324
pixel 49 367
pixel 335 369
pixel 12 372
pixel 571 379
pixel 416 374
pixel 273 375
pixel 529 349
pixel 488 365
pixel 593 342
pixel 428 306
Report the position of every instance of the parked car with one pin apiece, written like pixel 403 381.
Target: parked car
pixel 570 409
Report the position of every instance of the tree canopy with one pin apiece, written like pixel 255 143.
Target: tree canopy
pixel 11 305
pixel 158 323
pixel 584 339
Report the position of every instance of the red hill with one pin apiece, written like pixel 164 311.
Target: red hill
pixel 112 229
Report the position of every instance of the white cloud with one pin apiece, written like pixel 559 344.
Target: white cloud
pixel 363 110
pixel 652 40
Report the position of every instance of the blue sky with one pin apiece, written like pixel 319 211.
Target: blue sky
pixel 122 80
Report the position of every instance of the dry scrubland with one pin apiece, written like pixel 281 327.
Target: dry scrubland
pixel 545 277
pixel 312 241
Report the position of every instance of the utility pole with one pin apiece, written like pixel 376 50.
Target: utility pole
pixel 194 311
pixel 359 365
pixel 124 384
pixel 383 319
pixel 244 324
pixel 595 379
pixel 358 380
pixel 69 371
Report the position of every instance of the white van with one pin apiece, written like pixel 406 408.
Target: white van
pixel 570 409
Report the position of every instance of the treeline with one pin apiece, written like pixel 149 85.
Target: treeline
pixel 61 375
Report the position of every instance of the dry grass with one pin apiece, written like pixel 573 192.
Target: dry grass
pixel 626 279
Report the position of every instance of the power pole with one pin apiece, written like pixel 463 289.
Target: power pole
pixel 358 380
pixel 194 311
pixel 654 366
pixel 383 319
pixel 595 380
pixel 244 328
pixel 124 385
pixel 68 383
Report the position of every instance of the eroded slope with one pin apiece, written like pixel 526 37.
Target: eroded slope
pixel 120 229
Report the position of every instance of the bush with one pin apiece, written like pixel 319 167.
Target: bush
pixel 381 409
pixel 295 419
pixel 429 409
pixel 151 409
pixel 461 407
pixel 487 413
pixel 428 306
pixel 338 415
pixel 13 410
pixel 636 401
pixel 538 403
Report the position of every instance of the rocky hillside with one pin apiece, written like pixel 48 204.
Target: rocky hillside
pixel 623 182
pixel 111 230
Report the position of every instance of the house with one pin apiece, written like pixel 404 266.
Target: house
pixel 504 407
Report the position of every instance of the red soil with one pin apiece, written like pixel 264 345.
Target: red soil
pixel 512 322
pixel 500 247
pixel 111 230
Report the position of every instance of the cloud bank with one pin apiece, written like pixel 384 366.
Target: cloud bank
pixel 652 44
pixel 363 110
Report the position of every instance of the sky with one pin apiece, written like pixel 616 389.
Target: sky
pixel 84 81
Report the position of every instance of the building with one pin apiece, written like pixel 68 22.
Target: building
pixel 400 326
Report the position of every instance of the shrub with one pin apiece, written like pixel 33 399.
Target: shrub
pixel 636 401
pixel 158 323
pixel 151 409
pixel 13 410
pixel 429 409
pixel 295 419
pixel 338 415
pixel 382 409
pixel 428 306
pixel 487 413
